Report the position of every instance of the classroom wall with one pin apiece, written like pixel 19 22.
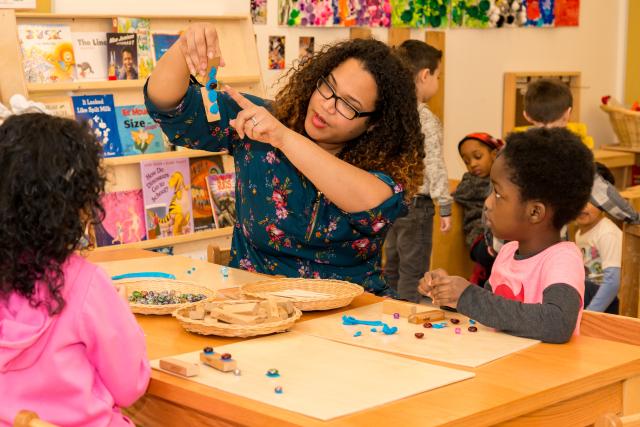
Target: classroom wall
pixel 476 59
pixel 632 84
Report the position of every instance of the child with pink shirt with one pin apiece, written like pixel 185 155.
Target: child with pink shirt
pixel 540 181
pixel 70 349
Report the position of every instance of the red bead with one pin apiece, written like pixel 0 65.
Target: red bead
pixel 472 329
pixel 225 356
pixel 455 321
pixel 419 334
pixel 427 325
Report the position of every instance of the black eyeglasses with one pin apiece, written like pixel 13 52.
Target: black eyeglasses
pixel 343 107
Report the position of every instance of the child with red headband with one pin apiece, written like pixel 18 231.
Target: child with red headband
pixel 478 151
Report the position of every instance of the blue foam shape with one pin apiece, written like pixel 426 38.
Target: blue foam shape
pixel 350 320
pixel 214 108
pixel 213 96
pixel 374 330
pixel 357 334
pixel 273 375
pixel 439 325
pixel 389 330
pixel 472 322
pixel 157 274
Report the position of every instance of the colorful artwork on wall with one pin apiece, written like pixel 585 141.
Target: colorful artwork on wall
pixel 420 13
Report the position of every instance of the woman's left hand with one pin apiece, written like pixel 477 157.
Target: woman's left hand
pixel 256 122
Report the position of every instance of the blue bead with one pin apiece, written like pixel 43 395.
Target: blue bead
pixel 357 334
pixel 472 322
pixel 374 330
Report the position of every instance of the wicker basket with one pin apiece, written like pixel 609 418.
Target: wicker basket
pixel 159 285
pixel 626 125
pixel 342 293
pixel 231 330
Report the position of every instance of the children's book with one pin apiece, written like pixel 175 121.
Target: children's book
pixel 100 112
pixel 91 55
pixel 166 190
pixel 58 106
pixel 201 168
pixel 222 193
pixel 124 219
pixel 139 134
pixel 162 42
pixel 47 53
pixel 122 54
pixel 142 28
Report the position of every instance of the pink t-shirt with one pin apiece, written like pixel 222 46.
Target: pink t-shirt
pixel 76 368
pixel 525 280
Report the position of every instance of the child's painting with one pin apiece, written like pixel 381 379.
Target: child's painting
pixel 124 219
pixel 567 13
pixel 363 13
pixel 470 13
pixel 312 13
pixel 307 46
pixel 276 52
pixel 507 13
pixel 421 13
pixel 259 11
pixel 540 13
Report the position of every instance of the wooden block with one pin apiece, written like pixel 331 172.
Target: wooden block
pixel 237 319
pixel 205 95
pixel 272 308
pixel 197 314
pixel 405 309
pixel 210 306
pixel 180 367
pixel 210 320
pixel 427 316
pixel 212 63
pixel 283 313
pixel 247 308
pixel 288 306
pixel 216 362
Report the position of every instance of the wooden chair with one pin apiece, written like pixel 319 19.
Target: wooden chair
pixel 218 256
pixel 29 419
pixel 613 420
pixel 611 327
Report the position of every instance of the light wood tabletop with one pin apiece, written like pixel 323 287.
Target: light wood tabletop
pixel 559 385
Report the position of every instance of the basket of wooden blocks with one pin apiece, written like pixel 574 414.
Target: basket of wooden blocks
pixel 306 294
pixel 162 296
pixel 238 318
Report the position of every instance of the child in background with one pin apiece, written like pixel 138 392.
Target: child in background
pixel 548 103
pixel 536 286
pixel 408 242
pixel 600 241
pixel 70 349
pixel 478 151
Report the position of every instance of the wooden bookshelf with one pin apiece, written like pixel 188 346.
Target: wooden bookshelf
pixel 128 160
pixel 171 241
pixel 113 85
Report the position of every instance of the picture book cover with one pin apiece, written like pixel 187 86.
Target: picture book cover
pixel 58 106
pixel 122 54
pixel 90 49
pixel 166 191
pixel 162 42
pixel 100 112
pixel 47 53
pixel 222 193
pixel 142 28
pixel 200 169
pixel 139 134
pixel 124 219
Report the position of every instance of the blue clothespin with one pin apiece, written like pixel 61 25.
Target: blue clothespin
pixel 212 85
pixel 148 274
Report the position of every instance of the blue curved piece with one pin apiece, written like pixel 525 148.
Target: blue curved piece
pixel 386 329
pixel 151 274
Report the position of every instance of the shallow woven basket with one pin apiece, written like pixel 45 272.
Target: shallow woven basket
pixel 159 285
pixel 342 293
pixel 228 329
pixel 626 125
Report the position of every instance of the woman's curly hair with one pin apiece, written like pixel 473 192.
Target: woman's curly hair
pixel 51 182
pixel 394 145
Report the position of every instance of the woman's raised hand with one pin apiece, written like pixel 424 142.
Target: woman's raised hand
pixel 257 122
pixel 199 43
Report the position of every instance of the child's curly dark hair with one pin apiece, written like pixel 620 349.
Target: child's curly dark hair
pixel 395 144
pixel 553 166
pixel 51 182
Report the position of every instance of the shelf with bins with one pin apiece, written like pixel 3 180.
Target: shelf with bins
pixel 171 241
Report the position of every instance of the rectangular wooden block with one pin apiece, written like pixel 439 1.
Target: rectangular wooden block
pixel 216 362
pixel 180 367
pixel 237 319
pixel 197 314
pixel 427 316
pixel 403 308
pixel 247 308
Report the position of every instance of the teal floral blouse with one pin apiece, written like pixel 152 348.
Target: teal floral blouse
pixel 284 224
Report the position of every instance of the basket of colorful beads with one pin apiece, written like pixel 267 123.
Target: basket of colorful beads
pixel 162 296
pixel 238 318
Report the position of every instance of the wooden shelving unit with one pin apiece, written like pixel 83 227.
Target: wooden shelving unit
pixel 171 241
pixel 238 46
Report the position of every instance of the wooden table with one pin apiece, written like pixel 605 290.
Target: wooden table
pixel 559 385
pixel 619 162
